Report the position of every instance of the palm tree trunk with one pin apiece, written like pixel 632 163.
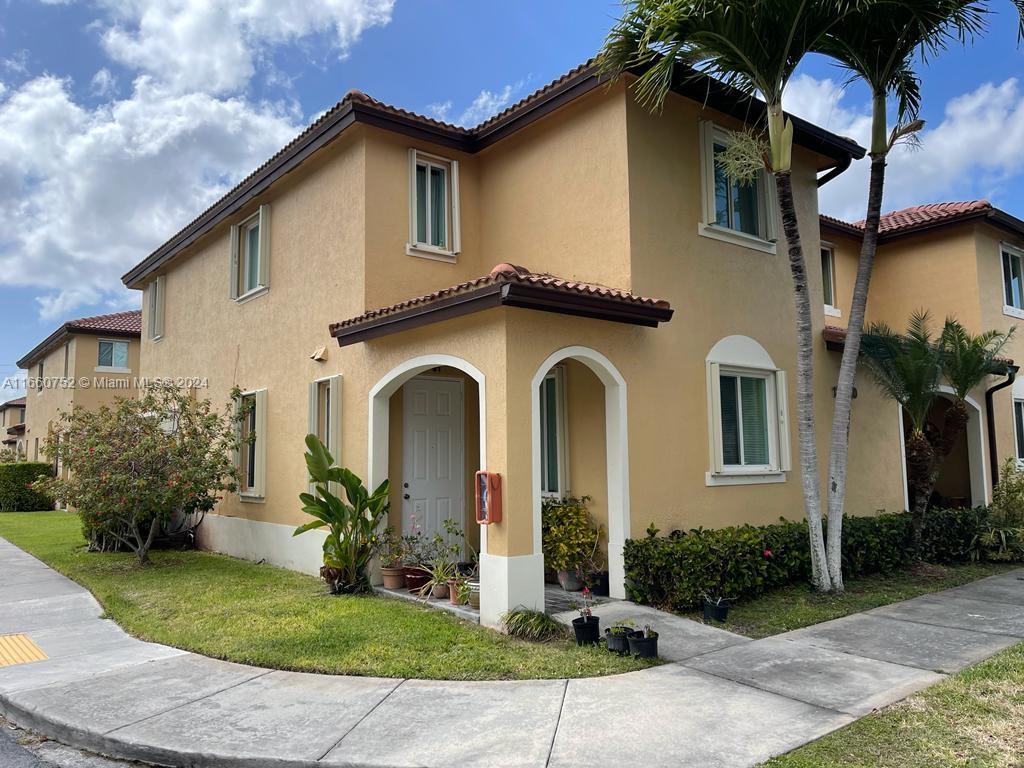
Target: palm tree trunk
pixel 920 464
pixel 953 425
pixel 804 383
pixel 843 408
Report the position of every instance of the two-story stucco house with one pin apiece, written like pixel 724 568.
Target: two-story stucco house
pixel 954 259
pixel 570 294
pixel 12 426
pixel 85 363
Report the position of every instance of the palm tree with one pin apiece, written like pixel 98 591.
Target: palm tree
pixel 908 368
pixel 877 44
pixel 754 46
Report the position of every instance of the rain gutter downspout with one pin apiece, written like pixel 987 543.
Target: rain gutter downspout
pixel 1011 374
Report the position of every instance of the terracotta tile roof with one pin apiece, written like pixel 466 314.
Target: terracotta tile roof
pixel 508 273
pixel 116 324
pixel 918 217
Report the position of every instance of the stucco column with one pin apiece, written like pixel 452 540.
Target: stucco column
pixel 511 571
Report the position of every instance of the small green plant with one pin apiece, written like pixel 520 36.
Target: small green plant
pixel 1001 537
pixel 570 539
pixel 349 545
pixel 532 625
pixel 620 630
pixel 441 572
pixel 389 547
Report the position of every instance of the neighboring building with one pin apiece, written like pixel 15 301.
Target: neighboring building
pixel 360 284
pixel 955 259
pixel 12 426
pixel 85 363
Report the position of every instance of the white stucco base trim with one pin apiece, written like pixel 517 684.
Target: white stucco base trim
pixel 270 542
pixel 510 582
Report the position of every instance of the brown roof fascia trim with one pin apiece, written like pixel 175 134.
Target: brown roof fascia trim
pixel 503 294
pixel 841 226
pixel 63 332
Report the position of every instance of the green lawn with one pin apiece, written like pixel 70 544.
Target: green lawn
pixel 258 614
pixel 973 720
pixel 797 606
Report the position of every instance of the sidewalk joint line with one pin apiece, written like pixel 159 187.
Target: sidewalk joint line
pixel 558 721
pixel 360 720
pixel 187 703
pixel 947 626
pixel 754 687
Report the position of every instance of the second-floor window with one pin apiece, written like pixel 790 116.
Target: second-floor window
pixel 250 255
pixel 433 205
pixel 155 307
pixel 112 354
pixel 828 279
pixel 737 211
pixel 1013 280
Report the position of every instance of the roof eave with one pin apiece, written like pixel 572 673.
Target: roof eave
pixel 63 332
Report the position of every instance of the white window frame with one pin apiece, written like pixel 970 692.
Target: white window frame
pixel 711 134
pixel 258 491
pixel 155 303
pixel 332 386
pixel 742 356
pixel 831 310
pixel 425 250
pixel 239 256
pixel 40 371
pixel 556 374
pixel 112 368
pixel 1016 438
pixel 1014 253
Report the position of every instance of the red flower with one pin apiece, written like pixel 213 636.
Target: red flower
pixel 767 553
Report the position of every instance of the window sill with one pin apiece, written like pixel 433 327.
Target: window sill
pixel 253 294
pixel 427 252
pixel 251 498
pixel 744 478
pixel 1013 312
pixel 724 234
pixel 831 311
pixel 110 369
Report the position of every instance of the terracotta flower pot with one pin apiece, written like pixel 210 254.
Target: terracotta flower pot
pixel 453 592
pixel 415 578
pixel 394 578
pixel 440 591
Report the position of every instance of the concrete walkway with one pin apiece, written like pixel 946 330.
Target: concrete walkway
pixel 724 701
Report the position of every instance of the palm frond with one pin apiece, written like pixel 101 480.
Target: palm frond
pixel 967 359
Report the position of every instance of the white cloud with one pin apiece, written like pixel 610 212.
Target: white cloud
pixel 214 45
pixel 84 194
pixel 440 110
pixel 486 104
pixel 104 83
pixel 972 152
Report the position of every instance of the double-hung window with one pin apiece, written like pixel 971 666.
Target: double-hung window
pixel 250 256
pixel 734 211
pixel 1018 427
pixel 1013 280
pixel 325 413
pixel 112 355
pixel 252 452
pixel 433 206
pixel 553 459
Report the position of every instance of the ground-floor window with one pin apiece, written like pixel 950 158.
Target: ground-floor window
pixel 552 433
pixel 325 413
pixel 252 451
pixel 1018 426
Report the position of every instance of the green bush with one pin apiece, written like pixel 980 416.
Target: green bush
pixel 532 625
pixel 744 561
pixel 16 493
pixel 571 540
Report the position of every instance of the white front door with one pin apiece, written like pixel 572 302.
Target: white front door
pixel 433 483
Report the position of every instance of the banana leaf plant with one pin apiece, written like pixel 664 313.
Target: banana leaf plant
pixel 352 525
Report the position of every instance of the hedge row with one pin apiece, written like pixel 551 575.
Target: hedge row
pixel 15 493
pixel 675 571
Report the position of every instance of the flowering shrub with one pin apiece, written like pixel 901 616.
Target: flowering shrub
pixel 142 463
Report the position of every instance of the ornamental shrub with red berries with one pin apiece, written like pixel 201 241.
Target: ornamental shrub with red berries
pixel 132 468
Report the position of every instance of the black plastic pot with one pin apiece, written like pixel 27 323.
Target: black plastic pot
pixel 643 647
pixel 716 611
pixel 618 642
pixel 598 583
pixel 587 629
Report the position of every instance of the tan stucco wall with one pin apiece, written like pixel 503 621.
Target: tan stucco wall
pixel 846 251
pixel 601 191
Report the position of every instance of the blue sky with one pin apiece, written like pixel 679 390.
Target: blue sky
pixel 119 121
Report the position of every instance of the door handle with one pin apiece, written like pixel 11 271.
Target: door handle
pixel 405 496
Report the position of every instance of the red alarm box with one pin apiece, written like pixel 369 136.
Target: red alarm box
pixel 488 497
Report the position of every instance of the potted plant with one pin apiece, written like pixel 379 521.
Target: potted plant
pixel 643 643
pixel 455 588
pixel 716 606
pixel 441 571
pixel 570 539
pixel 588 626
pixel 390 550
pixel 473 596
pixel 616 638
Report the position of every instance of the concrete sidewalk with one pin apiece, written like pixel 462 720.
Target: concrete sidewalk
pixel 724 701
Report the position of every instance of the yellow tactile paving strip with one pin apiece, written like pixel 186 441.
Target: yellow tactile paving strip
pixel 18 649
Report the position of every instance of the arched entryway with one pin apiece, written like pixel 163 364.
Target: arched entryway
pixel 616 455
pixel 442 376
pixel 963 478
